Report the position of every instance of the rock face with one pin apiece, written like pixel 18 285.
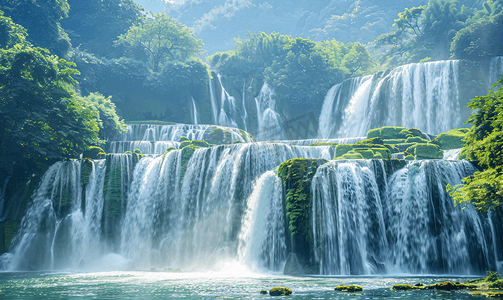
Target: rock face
pixel 280 291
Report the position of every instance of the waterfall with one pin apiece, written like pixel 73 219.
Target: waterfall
pixel 333 106
pixel 194 111
pixel 155 139
pixel 245 112
pixel 452 154
pixel 423 96
pixel 269 121
pixel 495 69
pixel 145 214
pixel 407 225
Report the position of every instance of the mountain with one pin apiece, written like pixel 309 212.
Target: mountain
pixel 218 22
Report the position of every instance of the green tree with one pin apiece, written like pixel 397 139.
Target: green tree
pixel 161 37
pixel 93 25
pixel 357 59
pixel 109 122
pixel 484 144
pixel 41 18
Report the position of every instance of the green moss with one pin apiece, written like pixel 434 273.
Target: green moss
pixel 374 141
pixel 351 155
pixel 199 143
pixel 128 152
pixel 280 291
pixel 405 133
pixel 263 292
pixel 168 151
pixel 426 151
pixel 186 155
pixel 247 137
pixel 8 231
pixel 183 139
pixel 348 288
pixel 373 133
pixel 498 284
pixel 184 144
pixel 297 175
pixel 409 157
pixel 85 171
pixel 137 151
pixel 394 141
pixel 453 139
pixel 378 156
pixel 404 287
pixel 93 152
pixel 446 286
pixel 417 132
pixel 403 147
pixel 366 153
pixel 416 139
pixel 216 136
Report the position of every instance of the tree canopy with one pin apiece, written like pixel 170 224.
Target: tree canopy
pixel 43 119
pixel 484 144
pixel 162 37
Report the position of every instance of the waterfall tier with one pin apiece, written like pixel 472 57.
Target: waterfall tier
pixel 424 96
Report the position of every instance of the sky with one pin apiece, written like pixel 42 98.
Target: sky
pixel 156 6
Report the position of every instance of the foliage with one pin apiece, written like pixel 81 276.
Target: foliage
pixel 161 38
pixel 424 32
pixel 297 175
pixel 298 69
pixel 109 122
pixel 41 116
pixel 11 34
pixel 482 38
pixel 42 20
pixel 93 25
pixel 453 139
pixel 484 144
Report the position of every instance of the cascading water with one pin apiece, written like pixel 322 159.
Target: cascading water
pixel 144 212
pixel 365 222
pixel 423 96
pixel 194 112
pixel 333 106
pixel 155 139
pixel 495 69
pixel 262 242
pixel 269 121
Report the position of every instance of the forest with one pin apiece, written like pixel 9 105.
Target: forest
pixel 76 75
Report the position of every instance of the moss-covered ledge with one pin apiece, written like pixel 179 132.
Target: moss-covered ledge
pixel 297 175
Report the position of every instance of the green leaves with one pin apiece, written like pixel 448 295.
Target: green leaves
pixel 162 38
pixel 484 144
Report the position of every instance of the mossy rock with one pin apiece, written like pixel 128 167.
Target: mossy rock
pixel 405 133
pixel 392 149
pixel 374 141
pixel 416 139
pixel 128 152
pixel 351 155
pixel 409 157
pixel 426 151
pixel 403 147
pixel 403 287
pixel 186 155
pixel 93 152
pixel 394 141
pixel 85 170
pixel 168 150
pixel 216 136
pixel 280 291
pixel 137 151
pixel 388 132
pixel 366 153
pixel 446 286
pixel 348 288
pixel 199 143
pixel 418 133
pixel 264 292
pixel 8 231
pixel 342 149
pixel 498 284
pixel 453 139
pixel 183 139
pixel 384 153
pixel 185 144
pixel 378 156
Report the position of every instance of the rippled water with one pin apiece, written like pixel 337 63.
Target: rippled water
pixel 209 285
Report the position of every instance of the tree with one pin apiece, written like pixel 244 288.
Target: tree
pixel 42 118
pixel 484 144
pixel 161 38
pixel 41 19
pixel 93 25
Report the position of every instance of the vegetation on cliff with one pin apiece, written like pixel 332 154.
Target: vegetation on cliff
pixel 484 145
